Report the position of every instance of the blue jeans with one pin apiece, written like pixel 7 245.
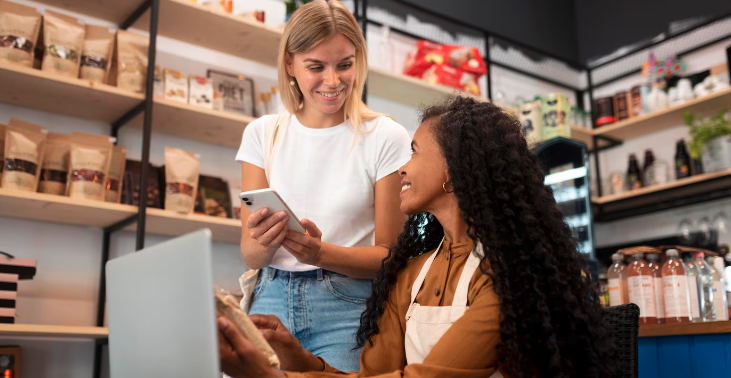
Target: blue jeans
pixel 321 308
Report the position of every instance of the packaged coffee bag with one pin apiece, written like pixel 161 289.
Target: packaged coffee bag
pixel 131 61
pixel 116 170
pixel 131 185
pixel 181 180
pixel 96 55
pixel 19 26
pixel 2 147
pixel 89 165
pixel 55 166
pixel 63 38
pixel 24 144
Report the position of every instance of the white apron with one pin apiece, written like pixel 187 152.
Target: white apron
pixel 425 325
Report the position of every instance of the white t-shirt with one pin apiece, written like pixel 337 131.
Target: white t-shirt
pixel 324 180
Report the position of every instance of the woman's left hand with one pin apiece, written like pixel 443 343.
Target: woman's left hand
pixel 305 247
pixel 239 358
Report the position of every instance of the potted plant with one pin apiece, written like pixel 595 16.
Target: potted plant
pixel 710 140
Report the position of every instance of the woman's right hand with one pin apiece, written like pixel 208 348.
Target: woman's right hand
pixel 268 230
pixel 292 356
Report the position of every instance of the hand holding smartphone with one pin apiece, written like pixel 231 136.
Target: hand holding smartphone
pixel 269 198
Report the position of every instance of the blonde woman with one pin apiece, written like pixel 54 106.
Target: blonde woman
pixel 336 167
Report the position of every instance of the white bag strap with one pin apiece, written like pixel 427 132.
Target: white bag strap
pixel 273 136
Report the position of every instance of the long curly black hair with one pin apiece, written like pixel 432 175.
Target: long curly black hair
pixel 551 320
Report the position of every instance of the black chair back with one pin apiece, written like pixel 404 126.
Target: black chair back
pixel 624 327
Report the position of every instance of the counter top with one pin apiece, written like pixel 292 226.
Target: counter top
pixel 685 329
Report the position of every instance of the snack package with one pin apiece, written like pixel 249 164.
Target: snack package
pixel 234 93
pixel 3 129
pixel 467 59
pixel 24 145
pixel 131 61
pixel 176 86
pixel 452 77
pixel 63 38
pixel 113 191
pixel 131 185
pixel 97 53
pixel 424 55
pixel 89 165
pixel 213 197
pixel 555 110
pixel 55 167
pixel 181 180
pixel 19 28
pixel 226 305
pixel 201 92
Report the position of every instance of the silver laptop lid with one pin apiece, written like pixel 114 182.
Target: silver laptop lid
pixel 162 320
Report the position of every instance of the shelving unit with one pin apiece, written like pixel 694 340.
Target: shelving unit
pixel 687 191
pixel 53 331
pixel 682 329
pixel 670 117
pixel 65 210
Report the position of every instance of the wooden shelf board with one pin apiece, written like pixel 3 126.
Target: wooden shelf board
pixel 407 90
pixel 115 11
pixel 583 135
pixel 193 23
pixel 31 88
pixel 657 188
pixel 685 329
pixel 168 223
pixel 52 331
pixel 191 122
pixel 59 209
pixel 667 118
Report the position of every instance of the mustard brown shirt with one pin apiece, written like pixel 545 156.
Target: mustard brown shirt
pixel 467 349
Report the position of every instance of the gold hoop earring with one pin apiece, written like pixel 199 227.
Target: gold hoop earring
pixel 444 186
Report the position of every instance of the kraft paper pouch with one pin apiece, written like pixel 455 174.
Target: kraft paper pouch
pixel 181 180
pixel 55 166
pixel 19 27
pixel 116 170
pixel 24 144
pixel 131 61
pixel 96 57
pixel 63 38
pixel 89 166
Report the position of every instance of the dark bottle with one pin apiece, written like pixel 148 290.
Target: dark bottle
pixel 634 181
pixel 682 161
pixel 649 161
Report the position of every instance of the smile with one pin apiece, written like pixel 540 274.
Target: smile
pixel 330 95
pixel 405 187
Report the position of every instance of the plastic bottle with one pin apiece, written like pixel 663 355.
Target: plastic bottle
pixel 691 271
pixel 675 289
pixel 705 288
pixel 653 260
pixel 719 288
pixel 641 284
pixel 617 281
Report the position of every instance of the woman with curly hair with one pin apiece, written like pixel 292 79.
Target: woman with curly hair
pixel 485 278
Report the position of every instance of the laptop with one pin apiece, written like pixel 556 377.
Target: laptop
pixel 162 318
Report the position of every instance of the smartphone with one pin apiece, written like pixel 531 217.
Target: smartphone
pixel 269 198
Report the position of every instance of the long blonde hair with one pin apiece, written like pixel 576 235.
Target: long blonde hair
pixel 311 24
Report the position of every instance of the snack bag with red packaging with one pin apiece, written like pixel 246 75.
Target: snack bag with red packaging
pixel 424 55
pixel 467 59
pixel 452 77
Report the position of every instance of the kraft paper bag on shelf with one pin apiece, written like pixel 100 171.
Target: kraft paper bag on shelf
pixel 2 147
pixel 131 61
pixel 116 170
pixel 96 57
pixel 181 180
pixel 19 27
pixel 55 166
pixel 24 144
pixel 89 165
pixel 63 38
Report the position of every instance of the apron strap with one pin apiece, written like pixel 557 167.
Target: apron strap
pixel 422 274
pixel 473 262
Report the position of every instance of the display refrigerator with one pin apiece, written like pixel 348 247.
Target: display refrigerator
pixel 565 163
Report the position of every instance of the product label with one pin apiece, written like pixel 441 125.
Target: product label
pixel 615 292
pixel 642 293
pixel 659 303
pixel 675 296
pixel 718 301
pixel 695 307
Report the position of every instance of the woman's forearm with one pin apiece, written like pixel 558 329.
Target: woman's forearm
pixel 356 262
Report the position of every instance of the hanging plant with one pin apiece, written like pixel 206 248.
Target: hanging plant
pixel 705 129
